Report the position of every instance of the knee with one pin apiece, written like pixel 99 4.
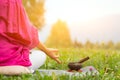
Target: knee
pixel 37 58
pixel 40 55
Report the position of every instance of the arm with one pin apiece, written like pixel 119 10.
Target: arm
pixel 50 52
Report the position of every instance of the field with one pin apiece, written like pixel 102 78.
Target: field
pixel 107 62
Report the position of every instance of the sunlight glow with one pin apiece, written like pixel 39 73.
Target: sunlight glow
pixel 75 11
pixel 96 20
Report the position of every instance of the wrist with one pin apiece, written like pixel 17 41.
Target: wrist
pixel 46 50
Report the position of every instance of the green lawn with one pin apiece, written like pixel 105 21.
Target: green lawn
pixel 107 62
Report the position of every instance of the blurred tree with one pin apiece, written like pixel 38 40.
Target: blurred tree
pixel 117 45
pixel 77 44
pixel 102 45
pixel 110 45
pixel 89 44
pixel 60 36
pixel 35 10
pixel 96 45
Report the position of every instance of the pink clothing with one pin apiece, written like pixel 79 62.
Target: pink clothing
pixel 17 34
pixel 13 53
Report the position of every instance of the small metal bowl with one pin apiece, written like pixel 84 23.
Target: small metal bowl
pixel 74 66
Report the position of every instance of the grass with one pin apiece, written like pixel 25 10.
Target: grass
pixel 107 62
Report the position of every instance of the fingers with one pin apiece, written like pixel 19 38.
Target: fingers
pixel 55 50
pixel 55 54
pixel 57 60
pixel 57 57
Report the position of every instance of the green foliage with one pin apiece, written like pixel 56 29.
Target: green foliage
pixel 60 36
pixel 35 10
pixel 107 62
pixel 77 44
pixel 98 45
pixel 88 44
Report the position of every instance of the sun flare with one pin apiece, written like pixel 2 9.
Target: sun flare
pixel 75 11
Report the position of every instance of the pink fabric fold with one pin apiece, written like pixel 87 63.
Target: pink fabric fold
pixel 16 23
pixel 17 34
pixel 13 54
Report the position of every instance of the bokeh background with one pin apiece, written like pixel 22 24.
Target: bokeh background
pixel 76 23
